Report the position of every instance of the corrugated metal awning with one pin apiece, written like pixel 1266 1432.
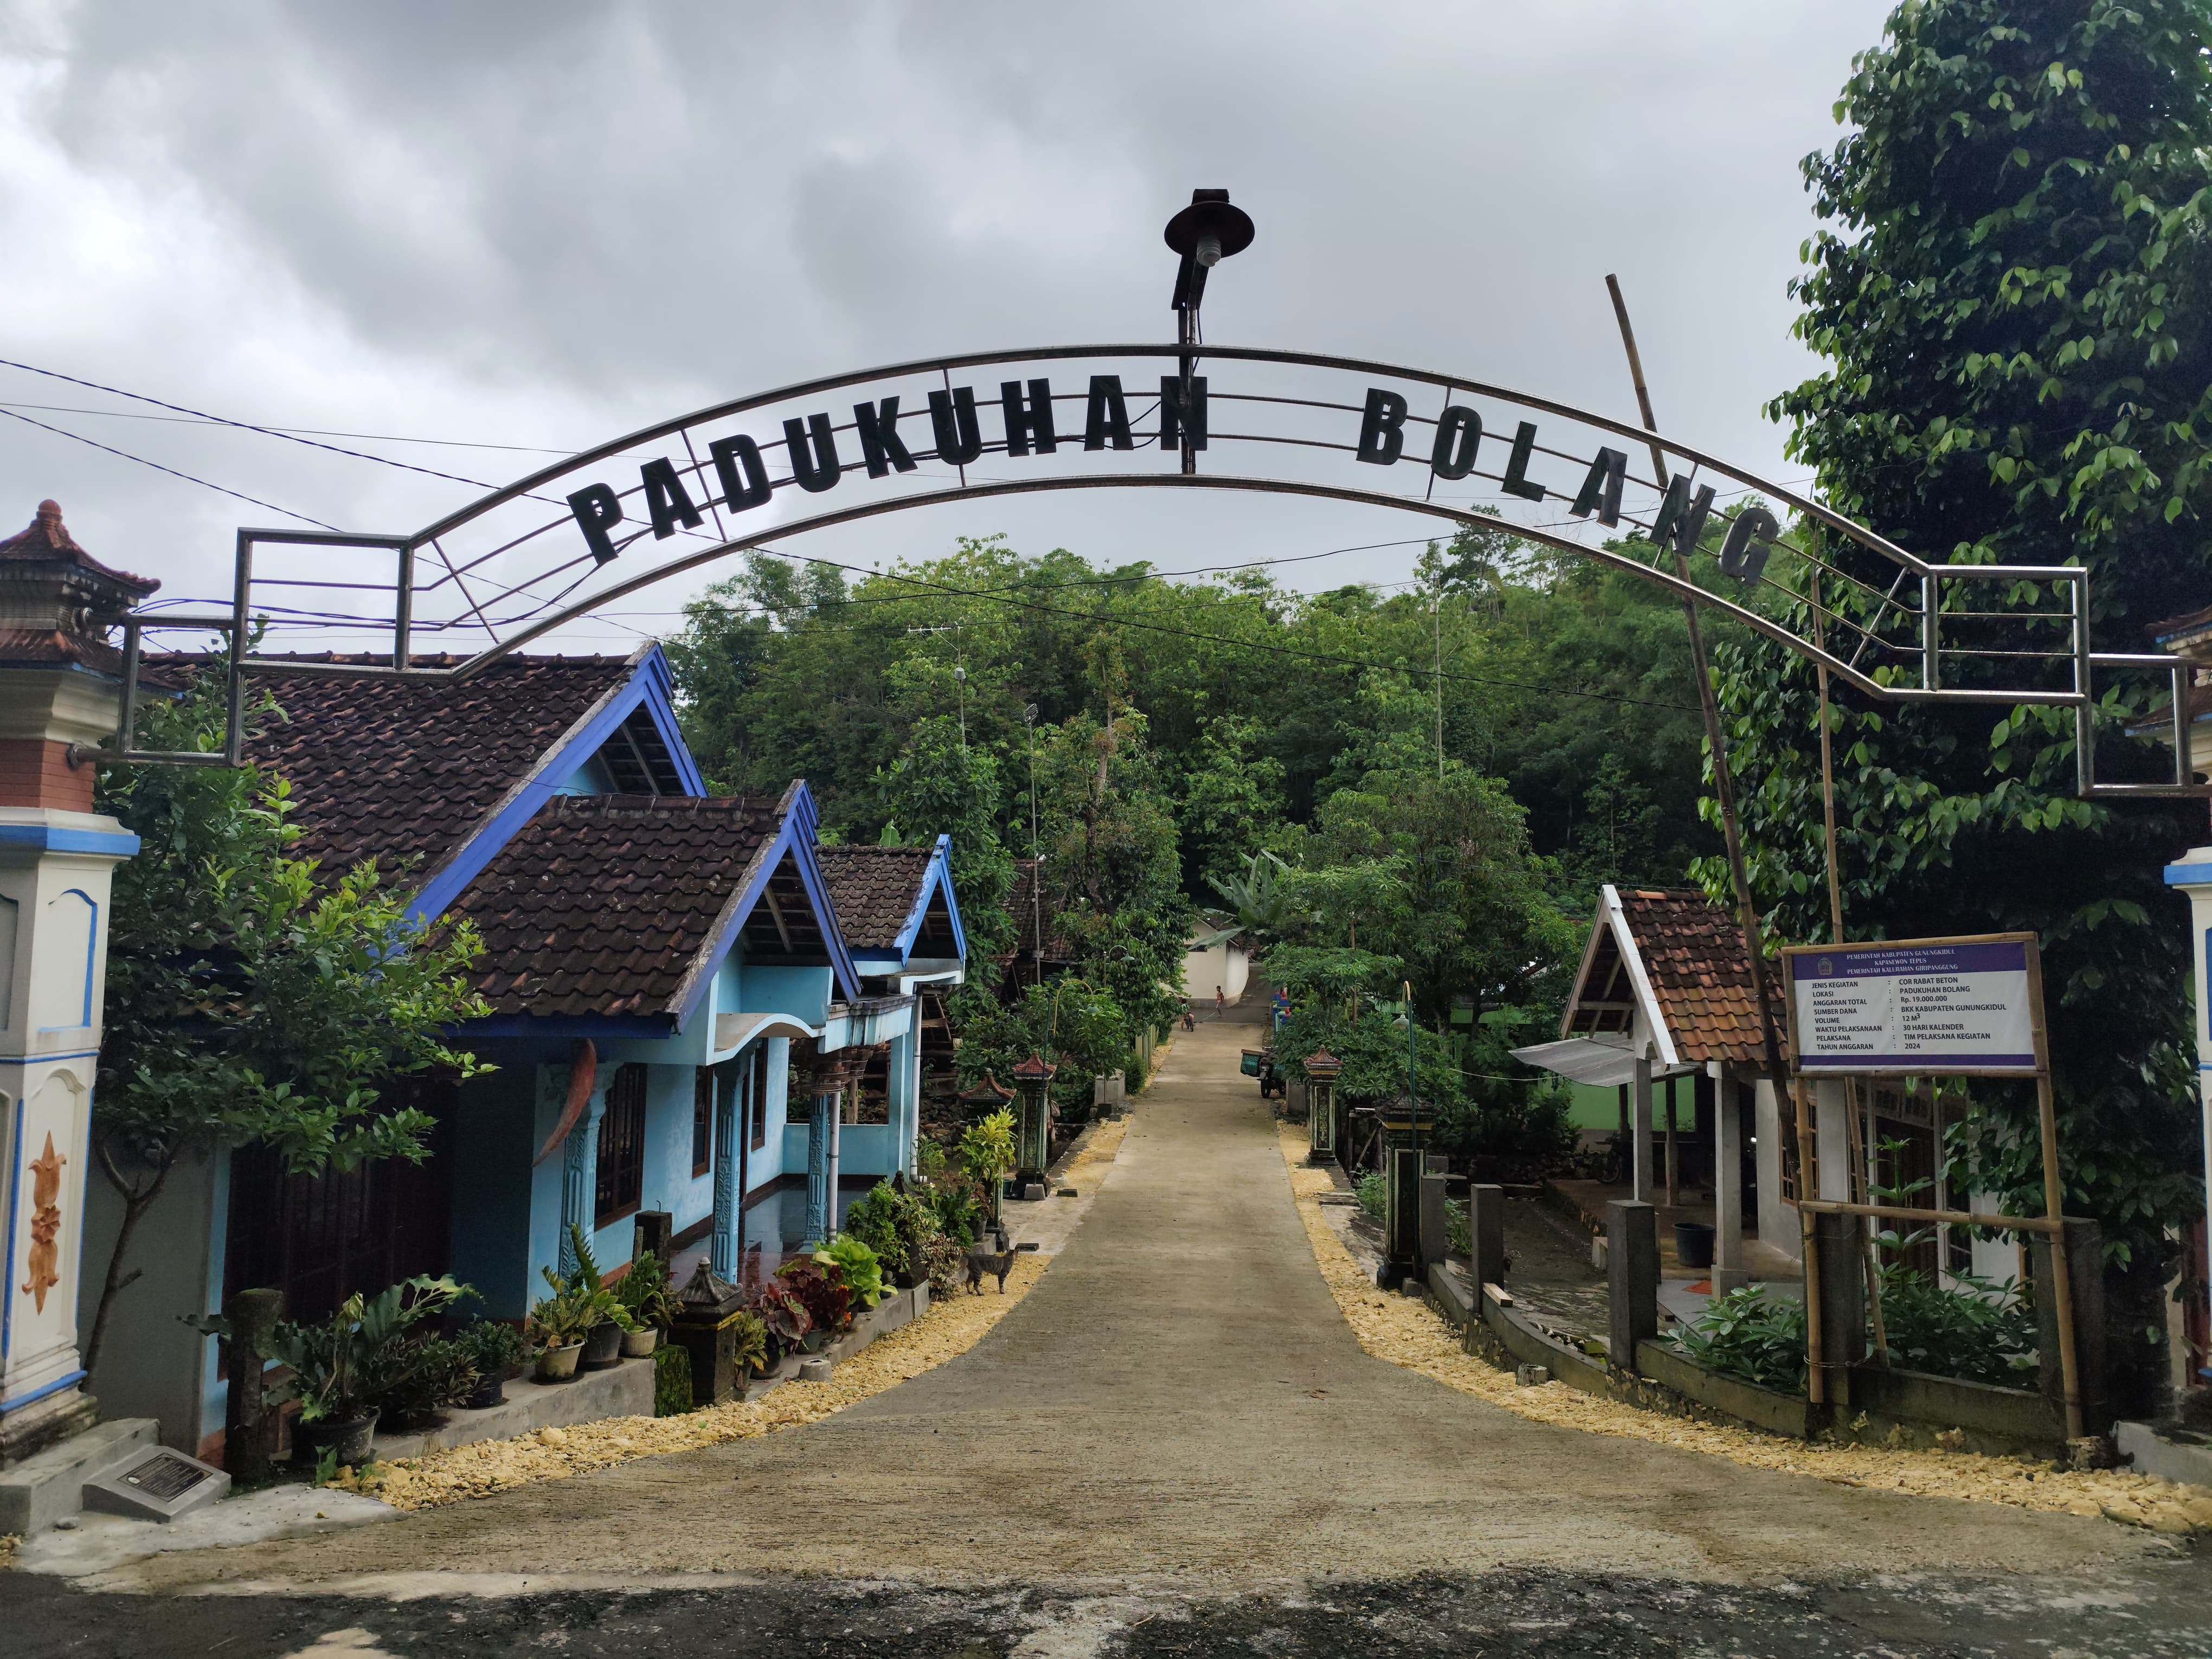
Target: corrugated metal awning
pixel 1588 1060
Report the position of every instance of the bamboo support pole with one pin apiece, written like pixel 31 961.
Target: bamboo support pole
pixel 2062 1285
pixel 1862 1182
pixel 2018 1224
pixel 1816 1381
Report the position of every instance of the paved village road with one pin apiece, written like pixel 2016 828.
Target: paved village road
pixel 1178 1418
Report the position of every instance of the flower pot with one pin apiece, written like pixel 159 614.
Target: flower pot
pixel 350 1437
pixel 1693 1244
pixel 489 1391
pixel 602 1347
pixel 640 1345
pixel 812 1341
pixel 559 1365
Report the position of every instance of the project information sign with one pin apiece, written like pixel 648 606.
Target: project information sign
pixel 1915 1006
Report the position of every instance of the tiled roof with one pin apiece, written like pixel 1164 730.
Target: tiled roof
pixel 873 890
pixel 1693 955
pixel 395 770
pixel 601 902
pixel 56 601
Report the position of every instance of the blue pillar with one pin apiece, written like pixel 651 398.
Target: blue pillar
pixel 731 1087
pixel 580 1173
pixel 821 1168
pixel 904 1078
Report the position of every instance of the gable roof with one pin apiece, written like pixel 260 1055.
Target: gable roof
pixel 1677 957
pixel 436 773
pixel 616 905
pixel 895 902
pixel 874 890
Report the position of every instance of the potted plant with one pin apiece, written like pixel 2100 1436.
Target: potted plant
pixel 644 1295
pixel 826 1301
pixel 749 1348
pixel 578 1307
pixel 497 1349
pixel 338 1368
pixel 784 1322
pixel 424 1376
pixel 854 1267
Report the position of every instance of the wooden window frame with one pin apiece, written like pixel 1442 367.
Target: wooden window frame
pixel 619 1187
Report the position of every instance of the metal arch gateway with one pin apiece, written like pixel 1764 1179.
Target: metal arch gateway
pixel 553 546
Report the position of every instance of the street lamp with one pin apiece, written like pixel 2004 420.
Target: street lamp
pixel 1206 233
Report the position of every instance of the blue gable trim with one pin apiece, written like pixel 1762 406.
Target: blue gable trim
pixel 795 839
pixel 651 685
pixel 936 876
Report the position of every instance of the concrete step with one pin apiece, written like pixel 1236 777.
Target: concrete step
pixel 45 1488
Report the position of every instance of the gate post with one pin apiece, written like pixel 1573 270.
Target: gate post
pixel 59 689
pixel 1631 1255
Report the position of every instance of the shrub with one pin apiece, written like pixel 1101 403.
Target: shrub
pixel 1750 1336
pixel 824 1299
pixel 1459 1231
pixel 1372 1190
pixel 856 1268
pixel 671 1380
pixel 946 1263
pixel 987 1149
pixel 898 1225
pixel 1980 1332
pixel 957 1211
pixel 429 1374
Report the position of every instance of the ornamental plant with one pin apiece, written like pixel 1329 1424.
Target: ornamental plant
pixel 856 1268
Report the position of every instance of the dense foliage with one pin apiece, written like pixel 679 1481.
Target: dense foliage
pixel 1228 758
pixel 2012 295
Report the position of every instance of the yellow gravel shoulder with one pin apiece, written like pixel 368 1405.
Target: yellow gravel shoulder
pixel 947 1331
pixel 1408 1333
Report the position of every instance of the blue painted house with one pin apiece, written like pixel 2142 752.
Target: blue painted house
pixel 682 1019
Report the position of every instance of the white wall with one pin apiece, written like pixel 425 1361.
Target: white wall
pixel 1229 966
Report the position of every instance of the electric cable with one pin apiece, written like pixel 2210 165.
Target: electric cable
pixel 236 495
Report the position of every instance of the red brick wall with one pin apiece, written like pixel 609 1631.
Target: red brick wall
pixel 34 772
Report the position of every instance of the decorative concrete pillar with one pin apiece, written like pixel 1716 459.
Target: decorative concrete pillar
pixel 59 688
pixel 733 1083
pixel 1632 1255
pixel 579 1173
pixel 1033 1143
pixel 1486 1226
pixel 1322 1070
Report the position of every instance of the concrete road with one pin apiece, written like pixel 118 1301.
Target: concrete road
pixel 1175 1440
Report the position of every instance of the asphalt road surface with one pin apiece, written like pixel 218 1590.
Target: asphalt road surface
pixel 1173 1445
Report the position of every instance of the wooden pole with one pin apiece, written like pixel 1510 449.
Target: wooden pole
pixel 1827 758
pixel 2061 1287
pixel 1816 1382
pixel 1863 1180
pixel 1709 706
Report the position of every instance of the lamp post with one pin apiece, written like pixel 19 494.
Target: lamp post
pixel 1206 233
pixel 1032 1144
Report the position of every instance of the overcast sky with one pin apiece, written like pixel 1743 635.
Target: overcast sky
pixel 544 224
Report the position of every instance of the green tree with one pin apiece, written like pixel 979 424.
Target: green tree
pixel 252 999
pixel 2011 292
pixel 1230 802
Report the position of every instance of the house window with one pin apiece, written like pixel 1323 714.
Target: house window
pixel 622 1148
pixel 759 1092
pixel 702 1121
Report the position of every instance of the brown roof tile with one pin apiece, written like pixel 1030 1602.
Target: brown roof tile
pixel 1693 955
pixel 399 770
pixel 601 903
pixel 873 890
